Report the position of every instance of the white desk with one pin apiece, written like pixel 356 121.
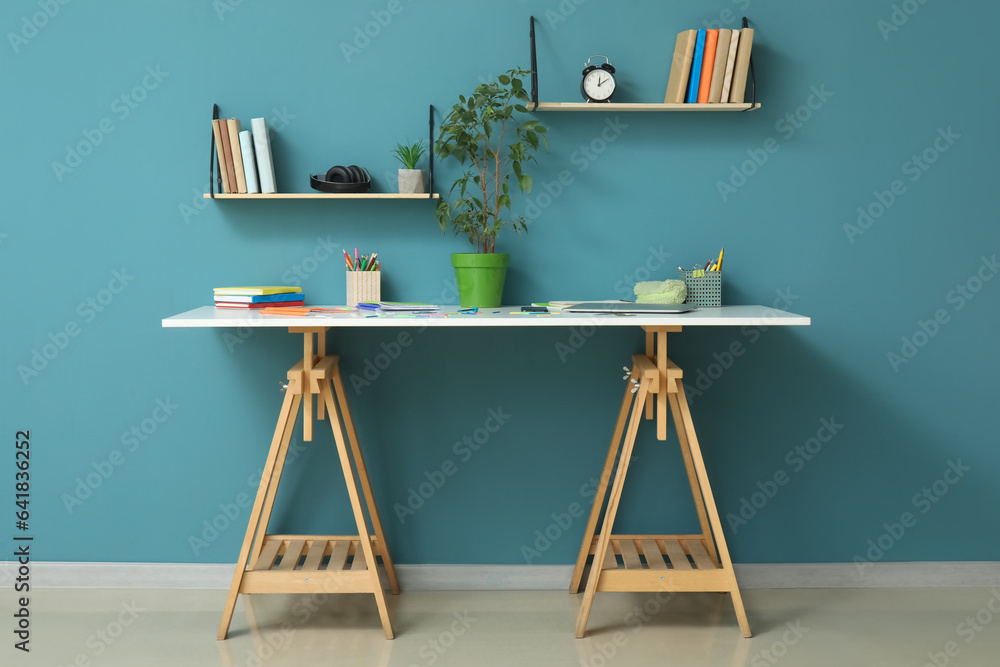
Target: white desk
pixel 348 563
pixel 209 316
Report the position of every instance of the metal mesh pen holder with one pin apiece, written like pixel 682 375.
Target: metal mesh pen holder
pixel 705 290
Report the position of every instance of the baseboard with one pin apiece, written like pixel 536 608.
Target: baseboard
pixel 55 574
pixel 868 575
pixel 484 577
pixel 514 577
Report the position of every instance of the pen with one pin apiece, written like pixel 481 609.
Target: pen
pixel 356 264
pixel 371 262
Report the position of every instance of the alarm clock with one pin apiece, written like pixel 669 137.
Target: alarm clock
pixel 598 83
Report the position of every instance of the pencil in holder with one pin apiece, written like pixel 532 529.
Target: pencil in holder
pixel 363 286
pixel 704 288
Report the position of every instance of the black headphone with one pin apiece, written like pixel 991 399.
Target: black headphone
pixel 340 179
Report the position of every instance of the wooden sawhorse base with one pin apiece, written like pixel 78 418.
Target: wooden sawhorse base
pixel 313 563
pixel 674 563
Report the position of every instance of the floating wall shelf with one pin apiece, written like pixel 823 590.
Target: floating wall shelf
pixel 325 195
pixel 639 106
pixel 535 105
pixel 215 177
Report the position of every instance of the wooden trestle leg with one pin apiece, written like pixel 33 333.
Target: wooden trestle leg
pixel 655 563
pixel 314 563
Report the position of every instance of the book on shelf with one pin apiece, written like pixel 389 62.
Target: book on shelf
pixel 710 66
pixel 259 298
pixel 249 162
pixel 234 141
pixel 256 290
pixel 741 67
pixel 265 162
pixel 719 68
pixel 695 79
pixel 680 67
pixel 727 81
pixel 227 147
pixel 707 65
pixel 283 304
pixel 220 153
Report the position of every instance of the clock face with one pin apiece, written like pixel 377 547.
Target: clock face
pixel 598 85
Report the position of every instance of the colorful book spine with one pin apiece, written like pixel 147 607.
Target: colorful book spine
pixel 283 304
pixel 741 67
pixel 695 80
pixel 727 82
pixel 256 289
pixel 227 147
pixel 719 71
pixel 259 298
pixel 265 163
pixel 249 162
pixel 234 141
pixel 220 152
pixel 708 65
pixel 680 67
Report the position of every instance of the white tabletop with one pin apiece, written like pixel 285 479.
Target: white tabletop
pixel 505 316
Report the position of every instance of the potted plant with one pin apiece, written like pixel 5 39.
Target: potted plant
pixel 411 179
pixel 474 133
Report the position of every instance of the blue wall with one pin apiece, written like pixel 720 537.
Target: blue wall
pixel 848 99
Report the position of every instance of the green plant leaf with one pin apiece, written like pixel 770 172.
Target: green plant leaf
pixel 466 135
pixel 443 214
pixel 409 154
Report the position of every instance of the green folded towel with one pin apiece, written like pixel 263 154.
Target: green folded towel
pixel 660 291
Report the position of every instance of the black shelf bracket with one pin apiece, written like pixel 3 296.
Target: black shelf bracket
pixel 753 76
pixel 430 156
pixel 212 173
pixel 534 65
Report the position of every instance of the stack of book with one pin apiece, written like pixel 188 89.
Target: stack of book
pixel 244 156
pixel 258 297
pixel 710 66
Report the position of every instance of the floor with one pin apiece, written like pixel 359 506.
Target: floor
pixel 813 627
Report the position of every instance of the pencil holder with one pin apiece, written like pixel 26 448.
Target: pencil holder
pixel 363 286
pixel 705 290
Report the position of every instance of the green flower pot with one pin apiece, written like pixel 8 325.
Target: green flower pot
pixel 480 277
